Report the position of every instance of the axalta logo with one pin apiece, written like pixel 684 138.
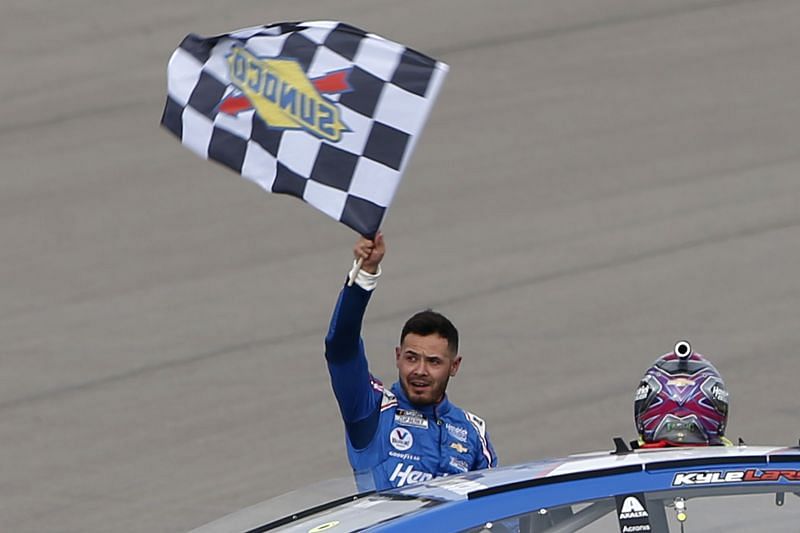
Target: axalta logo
pixel 734 476
pixel 406 475
pixel 283 96
pixel 632 508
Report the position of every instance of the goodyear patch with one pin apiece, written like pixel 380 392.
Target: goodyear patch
pixel 283 96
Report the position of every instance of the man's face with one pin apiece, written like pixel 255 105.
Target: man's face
pixel 425 364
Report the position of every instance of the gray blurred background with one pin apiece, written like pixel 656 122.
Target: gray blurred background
pixel 599 179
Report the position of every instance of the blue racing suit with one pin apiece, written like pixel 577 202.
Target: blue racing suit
pixel 390 441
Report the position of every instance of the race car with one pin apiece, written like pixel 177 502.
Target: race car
pixel 687 489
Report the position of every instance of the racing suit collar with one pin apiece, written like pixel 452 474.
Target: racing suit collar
pixel 434 411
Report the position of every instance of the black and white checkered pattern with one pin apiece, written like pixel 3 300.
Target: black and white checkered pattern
pixel 391 91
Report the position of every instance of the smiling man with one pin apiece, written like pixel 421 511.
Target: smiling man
pixel 410 433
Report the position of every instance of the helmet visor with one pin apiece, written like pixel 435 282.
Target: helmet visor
pixel 681 430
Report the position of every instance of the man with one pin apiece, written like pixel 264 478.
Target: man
pixel 681 401
pixel 410 433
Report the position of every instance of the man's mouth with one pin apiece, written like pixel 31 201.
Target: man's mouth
pixel 419 384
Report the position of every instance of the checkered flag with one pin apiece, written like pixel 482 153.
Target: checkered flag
pixel 320 110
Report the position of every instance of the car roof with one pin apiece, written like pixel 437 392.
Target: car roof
pixel 550 482
pixel 606 462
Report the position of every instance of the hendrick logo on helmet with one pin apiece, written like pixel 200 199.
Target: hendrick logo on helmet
pixel 642 392
pixel 719 393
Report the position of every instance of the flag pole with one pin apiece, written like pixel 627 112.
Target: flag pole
pixel 351 277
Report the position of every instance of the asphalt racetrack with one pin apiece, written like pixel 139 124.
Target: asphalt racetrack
pixel 599 179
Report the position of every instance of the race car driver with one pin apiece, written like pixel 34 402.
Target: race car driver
pixel 411 432
pixel 681 401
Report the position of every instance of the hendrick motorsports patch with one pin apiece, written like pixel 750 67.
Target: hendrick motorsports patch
pixel 632 513
pixel 750 475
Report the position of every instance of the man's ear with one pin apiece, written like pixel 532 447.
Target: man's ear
pixel 455 366
pixel 397 356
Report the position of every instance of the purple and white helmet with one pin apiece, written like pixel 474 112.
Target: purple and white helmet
pixel 681 400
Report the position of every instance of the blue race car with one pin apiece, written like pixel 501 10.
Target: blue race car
pixel 689 489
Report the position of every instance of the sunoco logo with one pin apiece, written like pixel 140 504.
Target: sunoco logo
pixel 283 96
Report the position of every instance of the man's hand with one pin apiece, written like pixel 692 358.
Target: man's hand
pixel 371 252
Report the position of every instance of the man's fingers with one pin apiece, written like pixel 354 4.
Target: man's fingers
pixel 363 248
pixel 369 250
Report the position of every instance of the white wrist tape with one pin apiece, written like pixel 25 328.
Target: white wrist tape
pixel 365 280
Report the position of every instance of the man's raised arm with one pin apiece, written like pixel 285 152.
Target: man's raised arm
pixel 344 349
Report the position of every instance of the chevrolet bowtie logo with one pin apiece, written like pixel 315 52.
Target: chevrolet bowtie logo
pixel 460 448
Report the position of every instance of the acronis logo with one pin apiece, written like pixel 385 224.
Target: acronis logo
pixel 283 96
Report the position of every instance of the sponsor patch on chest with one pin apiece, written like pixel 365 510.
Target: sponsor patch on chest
pixel 405 417
pixel 401 439
pixel 460 448
pixel 405 456
pixel 457 432
pixel 459 464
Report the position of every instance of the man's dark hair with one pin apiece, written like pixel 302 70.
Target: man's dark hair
pixel 429 322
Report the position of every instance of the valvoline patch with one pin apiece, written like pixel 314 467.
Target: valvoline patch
pixel 283 96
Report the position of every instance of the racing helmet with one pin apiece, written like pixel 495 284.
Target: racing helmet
pixel 681 400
